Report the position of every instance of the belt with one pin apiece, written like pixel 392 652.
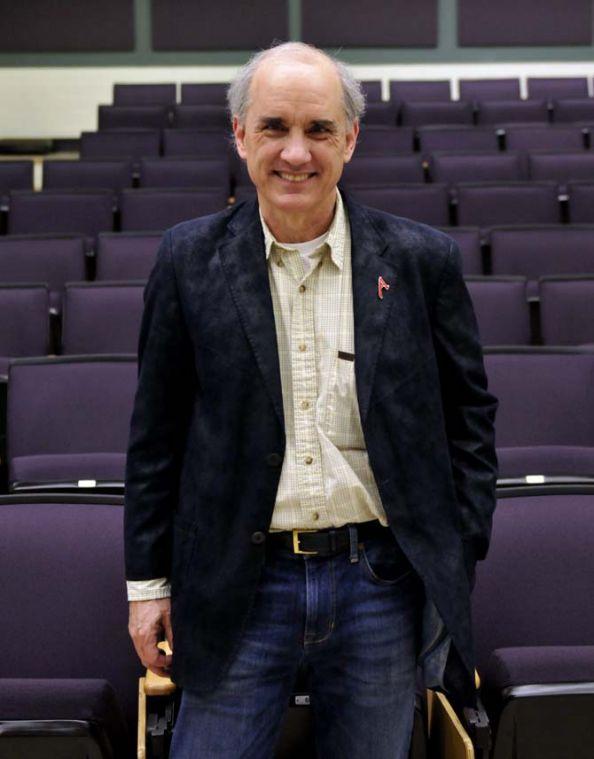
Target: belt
pixel 325 542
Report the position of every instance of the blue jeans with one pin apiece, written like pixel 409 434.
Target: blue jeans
pixel 353 620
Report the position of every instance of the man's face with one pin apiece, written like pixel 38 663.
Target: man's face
pixel 295 138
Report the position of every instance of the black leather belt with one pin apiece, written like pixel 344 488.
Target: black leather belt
pixel 325 542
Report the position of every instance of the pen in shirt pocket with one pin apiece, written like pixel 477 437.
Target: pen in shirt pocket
pixel 346 356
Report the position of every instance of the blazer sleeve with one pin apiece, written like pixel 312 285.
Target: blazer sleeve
pixel 166 392
pixel 469 408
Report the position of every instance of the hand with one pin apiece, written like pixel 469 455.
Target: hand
pixel 148 622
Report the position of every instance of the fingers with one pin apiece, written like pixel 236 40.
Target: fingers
pixel 148 622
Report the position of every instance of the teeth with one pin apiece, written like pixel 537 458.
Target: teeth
pixel 293 177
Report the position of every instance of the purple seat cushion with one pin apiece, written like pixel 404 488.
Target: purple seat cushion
pixel 532 665
pixel 68 467
pixel 549 460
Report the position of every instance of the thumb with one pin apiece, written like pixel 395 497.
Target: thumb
pixel 168 631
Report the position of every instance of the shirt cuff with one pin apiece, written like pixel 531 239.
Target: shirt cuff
pixel 148 590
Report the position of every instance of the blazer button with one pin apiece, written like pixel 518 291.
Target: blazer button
pixel 258 538
pixel 274 459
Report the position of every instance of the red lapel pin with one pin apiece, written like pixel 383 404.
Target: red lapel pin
pixel 381 286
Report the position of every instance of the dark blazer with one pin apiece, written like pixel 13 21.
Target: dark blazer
pixel 207 435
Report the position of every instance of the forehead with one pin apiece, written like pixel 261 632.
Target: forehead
pixel 298 89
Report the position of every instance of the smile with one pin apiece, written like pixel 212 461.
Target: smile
pixel 293 177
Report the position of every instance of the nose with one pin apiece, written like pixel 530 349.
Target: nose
pixel 295 150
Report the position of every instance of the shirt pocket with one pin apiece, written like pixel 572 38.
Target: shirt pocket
pixel 343 421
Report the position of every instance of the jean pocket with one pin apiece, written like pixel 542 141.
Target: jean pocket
pixel 384 563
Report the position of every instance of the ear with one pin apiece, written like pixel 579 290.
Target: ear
pixel 239 134
pixel 351 140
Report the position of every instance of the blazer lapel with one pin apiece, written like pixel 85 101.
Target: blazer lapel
pixel 370 312
pixel 244 263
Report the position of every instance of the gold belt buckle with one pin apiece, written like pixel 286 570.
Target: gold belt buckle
pixel 296 548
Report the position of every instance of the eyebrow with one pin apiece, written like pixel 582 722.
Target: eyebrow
pixel 276 122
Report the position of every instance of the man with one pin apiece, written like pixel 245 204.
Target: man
pixel 311 466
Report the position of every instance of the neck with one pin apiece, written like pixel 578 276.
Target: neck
pixel 290 228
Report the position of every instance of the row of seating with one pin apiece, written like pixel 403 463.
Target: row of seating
pixel 91 397
pixel 104 317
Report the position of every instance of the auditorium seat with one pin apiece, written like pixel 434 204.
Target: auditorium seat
pixel 505 111
pixel 51 259
pixel 545 420
pixel 496 203
pixel 204 93
pixel 113 175
pixel 535 251
pixel 101 317
pixel 133 117
pixel 126 255
pixel 372 89
pixel 185 172
pixel 14 175
pixel 77 212
pixel 132 144
pixel 567 309
pixel 69 674
pixel 433 138
pixel 560 166
pixel 581 202
pixel 533 623
pixel 211 143
pixel 501 309
pixel 469 243
pixel 553 88
pixel 85 404
pixel 489 89
pixel 201 117
pixel 24 323
pixel 467 166
pixel 573 110
pixel 384 140
pixel 143 94
pixel 380 113
pixel 419 113
pixel 427 203
pixel 543 137
pixel 375 170
pixel 402 91
pixel 152 210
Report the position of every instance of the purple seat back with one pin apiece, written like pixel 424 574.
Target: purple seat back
pixel 384 140
pixel 63 561
pixel 561 166
pixel 469 243
pixel 581 202
pixel 501 309
pixel 433 138
pixel 567 310
pixel 201 117
pixel 382 170
pixel 102 317
pixel 428 203
pixel 157 210
pixel 53 260
pixel 549 137
pixel 489 89
pixel 421 113
pixel 143 94
pixel 381 113
pixel 476 167
pixel 534 252
pixel 552 88
pixel 581 109
pixel 85 404
pixel 495 203
pixel 503 111
pixel 539 559
pixel 372 89
pixel 189 142
pixel 132 144
pixel 126 255
pixel 185 172
pixel 24 321
pixel 113 175
pixel 15 175
pixel 134 117
pixel 78 212
pixel 407 92
pixel 204 93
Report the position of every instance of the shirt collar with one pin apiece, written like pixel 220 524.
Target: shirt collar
pixel 335 240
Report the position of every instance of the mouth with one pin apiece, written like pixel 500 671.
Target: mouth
pixel 295 178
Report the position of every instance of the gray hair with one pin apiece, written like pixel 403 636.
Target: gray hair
pixel 238 94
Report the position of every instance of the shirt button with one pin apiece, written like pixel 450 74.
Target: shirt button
pixel 304 404
pixel 301 288
pixel 303 347
pixel 279 262
pixel 315 516
pixel 308 459
pixel 258 538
